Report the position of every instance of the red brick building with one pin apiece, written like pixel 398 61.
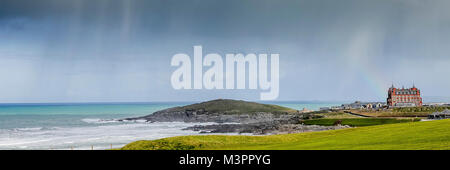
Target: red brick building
pixel 404 97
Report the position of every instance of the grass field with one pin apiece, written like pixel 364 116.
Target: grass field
pixel 399 136
pixel 423 111
pixel 391 113
pixel 354 122
pixel 336 115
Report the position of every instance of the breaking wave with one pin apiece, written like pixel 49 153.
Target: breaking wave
pixel 102 136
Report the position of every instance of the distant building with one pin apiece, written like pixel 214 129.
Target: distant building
pixel 324 109
pixel 362 105
pixel 404 97
pixel 435 104
pixel 440 115
pixel 305 110
pixel 355 105
pixel 336 107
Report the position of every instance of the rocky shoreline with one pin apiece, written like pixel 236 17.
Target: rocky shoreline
pixel 255 122
pixel 200 116
pixel 262 128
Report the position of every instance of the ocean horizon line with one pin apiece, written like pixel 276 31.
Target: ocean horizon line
pixel 162 102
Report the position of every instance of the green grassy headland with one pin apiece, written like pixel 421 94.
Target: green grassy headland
pixel 227 106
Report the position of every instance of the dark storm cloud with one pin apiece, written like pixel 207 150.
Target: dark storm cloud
pixel 285 20
pixel 87 49
pixel 282 19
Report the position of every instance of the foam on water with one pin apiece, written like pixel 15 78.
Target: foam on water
pixel 100 137
pixel 99 121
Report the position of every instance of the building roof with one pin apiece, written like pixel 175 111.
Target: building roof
pixel 406 91
pixel 445 112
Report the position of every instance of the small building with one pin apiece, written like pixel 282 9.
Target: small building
pixel 440 115
pixel 324 109
pixel 362 105
pixel 355 105
pixel 305 110
pixel 336 107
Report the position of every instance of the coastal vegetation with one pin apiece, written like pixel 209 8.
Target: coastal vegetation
pixel 422 111
pixel 399 136
pixel 355 122
pixel 334 115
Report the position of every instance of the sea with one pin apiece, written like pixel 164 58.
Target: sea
pixel 86 126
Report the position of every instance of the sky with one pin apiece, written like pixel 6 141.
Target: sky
pixel 120 50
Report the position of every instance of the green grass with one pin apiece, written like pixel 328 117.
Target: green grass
pixel 423 109
pixel 336 115
pixel 391 113
pixel 399 136
pixel 357 121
